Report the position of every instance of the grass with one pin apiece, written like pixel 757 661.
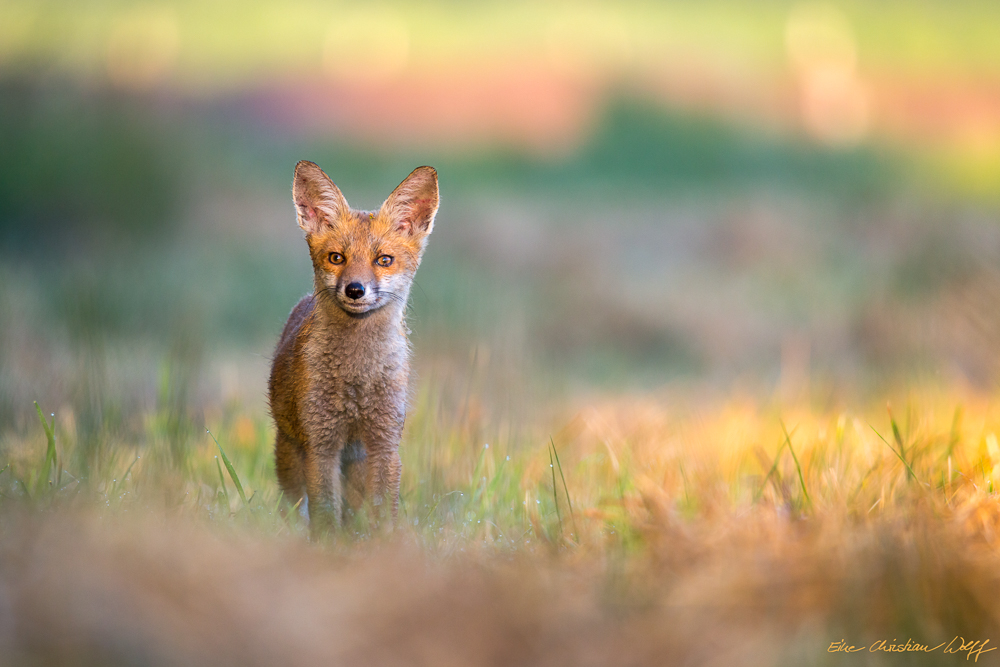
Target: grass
pixel 607 462
pixel 665 502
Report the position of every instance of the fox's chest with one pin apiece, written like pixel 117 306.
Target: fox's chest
pixel 352 383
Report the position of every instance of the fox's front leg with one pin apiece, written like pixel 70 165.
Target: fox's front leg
pixel 384 468
pixel 322 473
pixel 322 478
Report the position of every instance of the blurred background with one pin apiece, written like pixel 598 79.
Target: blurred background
pixel 788 199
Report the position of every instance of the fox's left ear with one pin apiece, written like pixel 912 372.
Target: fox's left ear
pixel 414 202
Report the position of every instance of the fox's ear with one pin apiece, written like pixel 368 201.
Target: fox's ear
pixel 414 202
pixel 318 201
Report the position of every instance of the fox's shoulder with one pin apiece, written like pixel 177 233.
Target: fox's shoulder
pixel 300 318
pixel 296 330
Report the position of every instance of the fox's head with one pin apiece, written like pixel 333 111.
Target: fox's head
pixel 364 260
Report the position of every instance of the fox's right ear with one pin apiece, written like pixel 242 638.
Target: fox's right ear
pixel 318 202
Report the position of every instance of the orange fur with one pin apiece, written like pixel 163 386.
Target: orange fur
pixel 340 373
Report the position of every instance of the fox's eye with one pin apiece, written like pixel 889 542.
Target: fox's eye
pixel 384 260
pixel 336 258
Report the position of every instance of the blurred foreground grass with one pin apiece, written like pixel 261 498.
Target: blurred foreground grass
pixel 631 530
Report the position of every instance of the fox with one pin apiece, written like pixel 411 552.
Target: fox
pixel 340 373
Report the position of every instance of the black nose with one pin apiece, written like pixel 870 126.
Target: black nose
pixel 355 290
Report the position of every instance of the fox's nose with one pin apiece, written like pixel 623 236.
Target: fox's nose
pixel 355 290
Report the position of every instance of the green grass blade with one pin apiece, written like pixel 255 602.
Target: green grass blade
pixel 232 471
pixel 277 503
pixel 896 435
pixel 909 470
pixel 50 449
pixel 222 481
pixel 475 489
pixel 285 519
pixel 125 476
pixel 861 484
pixel 569 501
pixel 774 467
pixel 26 486
pixel 434 509
pixel 684 481
pixel 956 427
pixel 555 496
pixel 283 516
pixel 798 468
pixel 491 489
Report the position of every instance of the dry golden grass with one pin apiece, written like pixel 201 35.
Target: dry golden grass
pixel 699 534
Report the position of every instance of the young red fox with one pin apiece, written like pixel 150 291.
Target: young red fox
pixel 339 379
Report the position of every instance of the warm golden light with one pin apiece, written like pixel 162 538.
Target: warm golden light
pixel 366 44
pixel 834 102
pixel 143 46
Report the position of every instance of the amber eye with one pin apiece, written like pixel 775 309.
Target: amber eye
pixel 384 260
pixel 336 258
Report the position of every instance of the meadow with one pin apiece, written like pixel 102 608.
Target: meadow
pixel 705 341
pixel 576 489
pixel 647 529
